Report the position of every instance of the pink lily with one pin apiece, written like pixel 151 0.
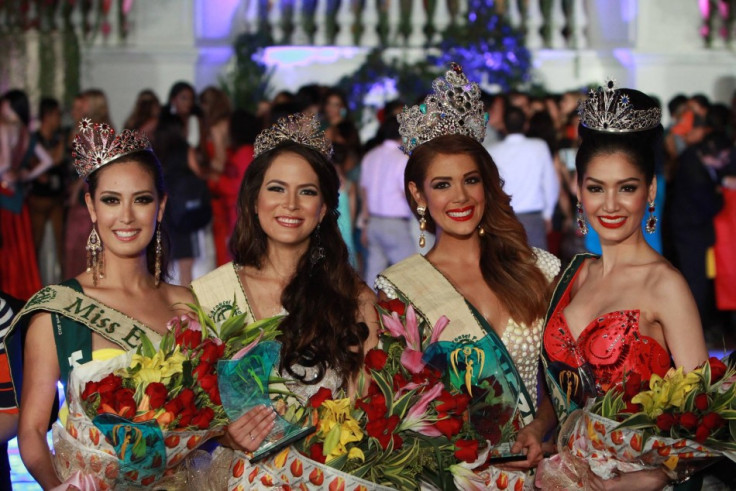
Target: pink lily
pixel 243 351
pixel 410 332
pixel 438 328
pixel 416 418
pixel 184 321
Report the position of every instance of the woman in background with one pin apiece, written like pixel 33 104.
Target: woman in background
pixel 22 159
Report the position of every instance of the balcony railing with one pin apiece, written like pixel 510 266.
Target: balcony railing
pixel 552 24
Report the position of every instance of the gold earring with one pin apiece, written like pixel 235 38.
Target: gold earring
pixel 95 262
pixel 159 252
pixel 421 210
pixel 481 231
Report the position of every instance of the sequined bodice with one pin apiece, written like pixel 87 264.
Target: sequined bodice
pixel 523 344
pixel 610 346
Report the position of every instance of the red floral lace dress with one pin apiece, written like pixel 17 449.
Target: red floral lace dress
pixel 609 347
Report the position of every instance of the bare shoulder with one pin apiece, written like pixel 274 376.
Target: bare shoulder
pixel 665 281
pixel 177 295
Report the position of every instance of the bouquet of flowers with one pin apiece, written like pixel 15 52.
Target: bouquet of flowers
pixel 422 416
pixel 678 423
pixel 134 418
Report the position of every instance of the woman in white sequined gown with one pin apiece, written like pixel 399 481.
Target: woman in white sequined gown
pixel 480 273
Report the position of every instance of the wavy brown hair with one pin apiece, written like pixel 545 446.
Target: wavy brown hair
pixel 507 262
pixel 321 329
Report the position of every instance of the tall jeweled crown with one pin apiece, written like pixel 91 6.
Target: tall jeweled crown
pixel 610 110
pixel 96 145
pixel 454 108
pixel 299 128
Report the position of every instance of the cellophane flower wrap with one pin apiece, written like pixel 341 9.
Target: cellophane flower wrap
pixel 678 423
pixel 410 423
pixel 134 418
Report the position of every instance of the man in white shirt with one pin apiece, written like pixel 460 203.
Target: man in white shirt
pixel 528 172
pixel 385 209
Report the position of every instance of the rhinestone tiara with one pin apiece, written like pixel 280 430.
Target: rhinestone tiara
pixel 610 110
pixel 298 128
pixel 454 108
pixel 96 145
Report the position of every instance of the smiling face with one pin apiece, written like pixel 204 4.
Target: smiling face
pixel 453 194
pixel 614 194
pixel 290 203
pixel 125 207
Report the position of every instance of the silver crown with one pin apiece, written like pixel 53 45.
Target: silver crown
pixel 609 110
pixel 299 128
pixel 454 108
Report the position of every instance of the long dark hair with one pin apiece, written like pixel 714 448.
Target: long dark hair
pixel 507 262
pixel 321 329
pixel 18 101
pixel 151 164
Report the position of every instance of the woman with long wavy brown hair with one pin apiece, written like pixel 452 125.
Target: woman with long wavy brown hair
pixel 289 259
pixel 481 273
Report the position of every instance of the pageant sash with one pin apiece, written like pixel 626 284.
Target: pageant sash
pixel 524 402
pixel 109 323
pixel 220 292
pixel 561 384
pixel 432 296
pixel 69 306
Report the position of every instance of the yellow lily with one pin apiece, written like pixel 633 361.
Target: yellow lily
pixel 667 392
pixel 336 421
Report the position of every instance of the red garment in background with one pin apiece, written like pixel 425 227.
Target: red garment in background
pixel 19 274
pixel 225 191
pixel 725 252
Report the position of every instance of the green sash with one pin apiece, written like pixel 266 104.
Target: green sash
pixel 558 383
pixel 74 317
pixel 432 295
pixel 220 291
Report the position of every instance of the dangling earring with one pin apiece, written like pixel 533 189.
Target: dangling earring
pixel 94 256
pixel 318 253
pixel 481 231
pixel 159 252
pixel 421 210
pixel 582 226
pixel 652 220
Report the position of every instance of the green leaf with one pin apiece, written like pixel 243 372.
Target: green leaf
pixel 147 347
pixel 331 440
pixel 636 421
pixel 728 414
pixel 232 325
pixel 402 404
pixel 384 385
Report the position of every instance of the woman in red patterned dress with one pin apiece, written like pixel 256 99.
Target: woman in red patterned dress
pixel 628 310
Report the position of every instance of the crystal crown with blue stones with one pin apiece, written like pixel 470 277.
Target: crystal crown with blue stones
pixel 609 110
pixel 454 108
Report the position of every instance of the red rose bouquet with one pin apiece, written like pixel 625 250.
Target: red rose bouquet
pixel 678 423
pixel 410 424
pixel 135 417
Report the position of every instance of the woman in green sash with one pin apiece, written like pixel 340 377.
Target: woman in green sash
pixel 629 310
pixel 121 297
pixel 480 273
pixel 291 260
